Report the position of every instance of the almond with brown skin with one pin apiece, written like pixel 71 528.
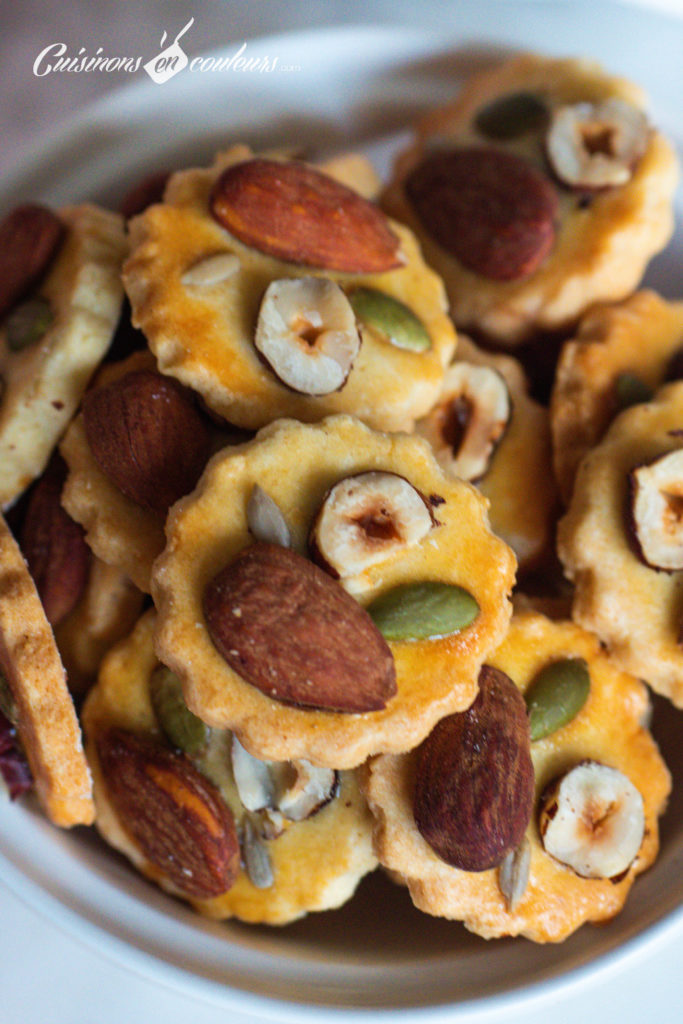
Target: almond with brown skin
pixel 299 214
pixel 474 785
pixel 147 436
pixel 175 815
pixel 294 633
pixel 29 238
pixel 492 210
pixel 54 546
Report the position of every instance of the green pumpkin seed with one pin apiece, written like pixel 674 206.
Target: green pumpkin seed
pixel 181 727
pixel 512 115
pixel 27 323
pixel 631 390
pixel 556 695
pixel 418 611
pixel 390 318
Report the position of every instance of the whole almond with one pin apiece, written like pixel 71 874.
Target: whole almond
pixel 474 785
pixel 492 210
pixel 175 815
pixel 54 546
pixel 298 214
pixel 147 436
pixel 293 632
pixel 29 238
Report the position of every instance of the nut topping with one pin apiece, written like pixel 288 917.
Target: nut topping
pixel 474 784
pixel 291 631
pixel 147 435
pixel 175 815
pixel 300 215
pixel 656 511
pixel 295 789
pixel 597 145
pixel 592 819
pixel 366 518
pixel 307 334
pixel 54 546
pixel 471 420
pixel 211 270
pixel 29 238
pixel 492 210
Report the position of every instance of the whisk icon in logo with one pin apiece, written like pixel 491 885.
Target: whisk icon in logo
pixel 170 61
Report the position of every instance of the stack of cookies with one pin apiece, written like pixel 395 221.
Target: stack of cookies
pixel 269 449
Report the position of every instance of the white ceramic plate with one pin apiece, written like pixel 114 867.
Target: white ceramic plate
pixel 354 87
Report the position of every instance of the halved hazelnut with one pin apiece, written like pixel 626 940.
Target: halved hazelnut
pixel 592 819
pixel 307 334
pixel 596 145
pixel 470 420
pixel 656 511
pixel 364 519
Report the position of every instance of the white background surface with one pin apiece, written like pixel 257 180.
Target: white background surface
pixel 47 977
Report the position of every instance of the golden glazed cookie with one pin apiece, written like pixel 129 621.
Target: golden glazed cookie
pixel 51 343
pixel 607 733
pixel 374 509
pixel 304 865
pixel 43 710
pixel 567 149
pixel 614 548
pixel 486 428
pixel 138 444
pixel 294 334
pixel 106 612
pixel 619 356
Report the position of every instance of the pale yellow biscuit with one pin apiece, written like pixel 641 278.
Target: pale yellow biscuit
pixel 603 243
pixel 296 464
pixel 43 383
pixel 607 729
pixel 106 612
pixel 633 608
pixel 46 720
pixel 519 481
pixel 119 531
pixel 203 334
pixel 316 863
pixel 616 347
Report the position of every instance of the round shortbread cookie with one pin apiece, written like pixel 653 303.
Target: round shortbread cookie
pixel 296 465
pixel 45 718
pixel 203 333
pixel 619 353
pixel 316 863
pixel 608 729
pixel 107 611
pixel 42 383
pixel 604 237
pixel 119 531
pixel 517 477
pixel 635 609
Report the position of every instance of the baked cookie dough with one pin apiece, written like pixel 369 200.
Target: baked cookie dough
pixel 620 355
pixel 302 865
pixel 569 149
pixel 107 611
pixel 51 343
pixel 554 899
pixel 486 428
pixel 42 707
pixel 125 527
pixel 634 607
pixel 395 521
pixel 205 300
